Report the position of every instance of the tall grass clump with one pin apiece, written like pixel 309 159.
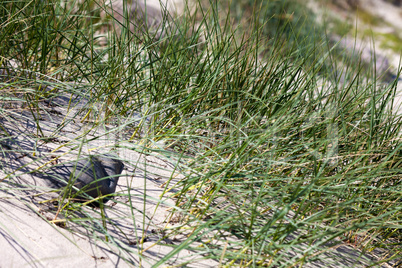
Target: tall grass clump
pixel 280 163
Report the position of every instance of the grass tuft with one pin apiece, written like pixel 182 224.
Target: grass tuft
pixel 280 161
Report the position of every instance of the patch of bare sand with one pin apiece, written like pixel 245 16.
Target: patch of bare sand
pixel 136 218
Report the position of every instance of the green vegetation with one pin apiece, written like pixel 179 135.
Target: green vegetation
pixel 368 18
pixel 339 27
pixel 280 160
pixel 391 41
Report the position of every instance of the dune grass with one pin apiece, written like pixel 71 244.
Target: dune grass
pixel 280 160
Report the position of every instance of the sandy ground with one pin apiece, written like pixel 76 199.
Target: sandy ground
pixel 26 233
pixel 387 60
pixel 32 239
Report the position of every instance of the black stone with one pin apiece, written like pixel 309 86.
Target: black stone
pixel 95 176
